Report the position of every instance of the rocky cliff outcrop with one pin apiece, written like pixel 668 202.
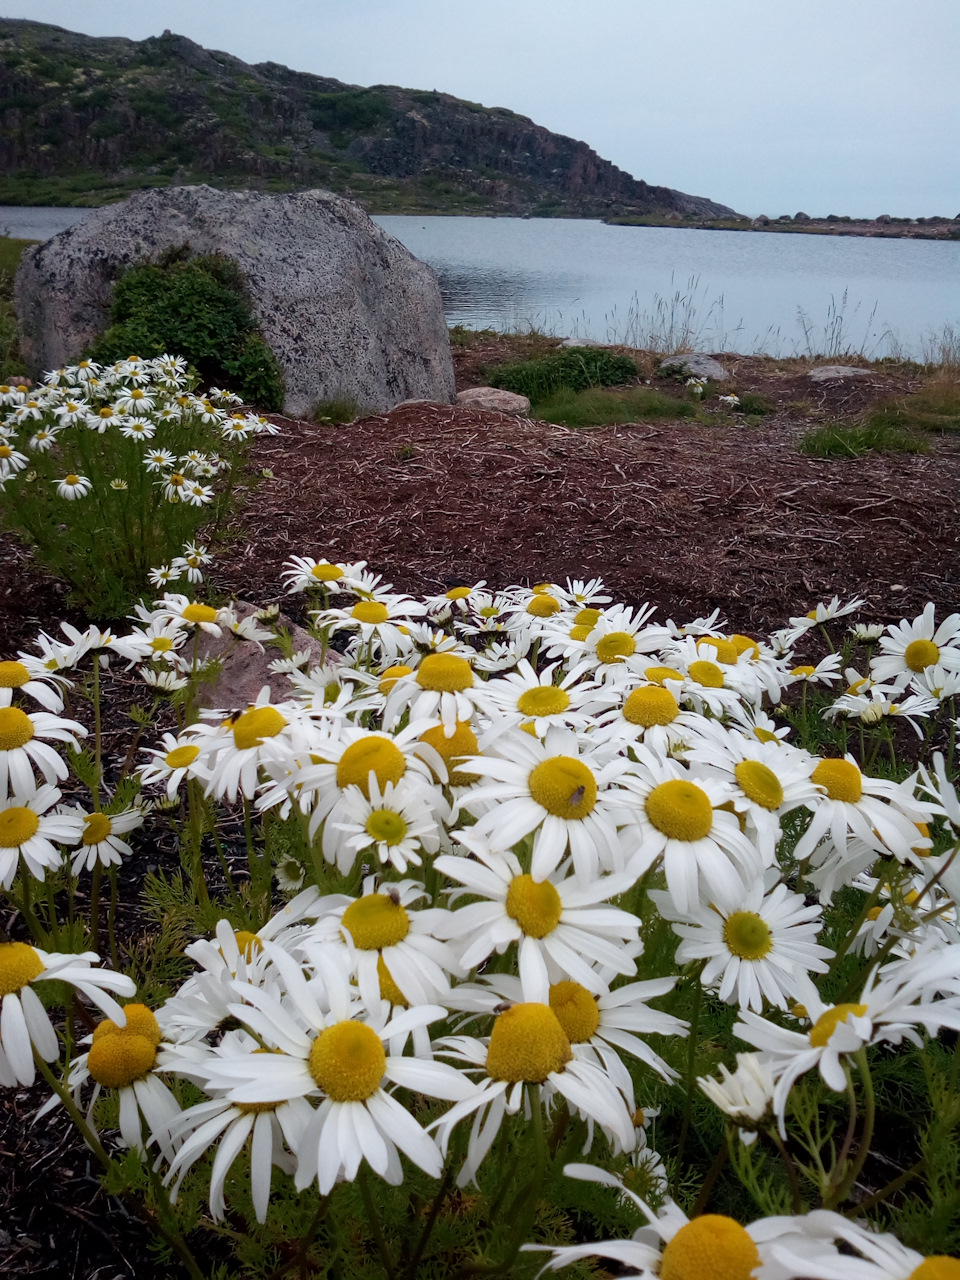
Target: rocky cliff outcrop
pixel 84 120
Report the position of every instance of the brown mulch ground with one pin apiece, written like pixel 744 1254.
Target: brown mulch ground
pixel 689 516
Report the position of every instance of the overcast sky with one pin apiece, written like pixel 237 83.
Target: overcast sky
pixel 771 106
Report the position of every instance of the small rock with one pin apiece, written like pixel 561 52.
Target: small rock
pixel 246 666
pixel 410 404
pixel 695 365
pixel 581 342
pixel 495 400
pixel 830 372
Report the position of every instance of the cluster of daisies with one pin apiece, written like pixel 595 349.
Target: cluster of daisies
pixel 149 402
pixel 509 782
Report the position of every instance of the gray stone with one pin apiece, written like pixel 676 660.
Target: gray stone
pixel 246 664
pixel 830 372
pixel 349 313
pixel 495 400
pixel 695 365
pixel 581 342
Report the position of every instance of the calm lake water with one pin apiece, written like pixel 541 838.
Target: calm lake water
pixel 720 290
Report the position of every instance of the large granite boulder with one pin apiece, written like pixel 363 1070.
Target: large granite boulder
pixel 693 364
pixel 349 313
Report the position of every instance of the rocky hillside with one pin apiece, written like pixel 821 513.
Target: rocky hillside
pixel 86 121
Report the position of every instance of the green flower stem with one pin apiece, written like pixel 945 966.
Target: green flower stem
pixel 95 906
pixel 878 1197
pixel 845 945
pixel 303 1248
pixel 112 919
pixel 790 1167
pixel 98 735
pixel 691 1076
pixel 25 907
pixel 194 809
pixel 374 1223
pixel 71 1108
pixel 410 1272
pixel 713 1173
pixel 869 1117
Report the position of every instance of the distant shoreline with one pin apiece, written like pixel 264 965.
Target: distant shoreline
pixel 875 228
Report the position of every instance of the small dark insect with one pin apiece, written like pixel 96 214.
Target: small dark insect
pixel 577 798
pixel 394 895
pixel 503 1006
pixel 233 717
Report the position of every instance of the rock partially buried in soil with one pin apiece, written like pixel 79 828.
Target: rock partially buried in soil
pixel 695 365
pixel 349 313
pixel 495 400
pixel 581 342
pixel 831 372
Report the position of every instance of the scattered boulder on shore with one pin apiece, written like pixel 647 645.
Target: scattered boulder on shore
pixel 349 313
pixel 832 372
pixel 695 365
pixel 494 400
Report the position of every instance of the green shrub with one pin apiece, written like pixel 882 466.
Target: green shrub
pixel 597 408
pixel 842 440
pixel 573 369
pixel 199 308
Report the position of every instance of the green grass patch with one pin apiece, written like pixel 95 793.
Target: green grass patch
pixel 599 408
pixel 11 251
pixel 335 411
pixel 573 369
pixel 934 408
pixel 753 403
pixel 846 440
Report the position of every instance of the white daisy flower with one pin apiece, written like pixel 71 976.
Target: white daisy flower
pixel 378 621
pixel 73 486
pixel 158 459
pixel 397 823
pixel 826 671
pixel 28 674
pixel 22 747
pixel 442 688
pixel 236 749
pixel 559 790
pixel 560 926
pixel 336 1057
pixel 172 762
pixel 138 429
pixel 304 572
pixel 24 1024
pixel 745 1095
pixel 756 946
pixel 100 840
pixel 531 699
pixel 11 461
pixel 28 830
pixel 909 648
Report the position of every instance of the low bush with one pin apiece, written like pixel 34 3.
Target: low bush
pixel 198 307
pixel 597 408
pixel 573 369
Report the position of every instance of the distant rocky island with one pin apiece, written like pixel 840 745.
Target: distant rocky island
pixel 884 227
pixel 87 121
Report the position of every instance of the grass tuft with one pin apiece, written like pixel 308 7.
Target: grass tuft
pixel 573 369
pixel 599 408
pixel 842 440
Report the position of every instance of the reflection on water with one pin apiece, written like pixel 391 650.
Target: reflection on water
pixel 657 286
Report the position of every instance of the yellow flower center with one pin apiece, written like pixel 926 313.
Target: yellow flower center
pixel 120 1055
pixel 805 670
pixel 727 651
pixel 616 646
pixel 587 617
pixel 5 451
pixel 388 988
pixel 180 757
pixel 17 826
pixel 161 644
pixel 680 810
pixel 828 1022
pixel 841 779
pixel 386 826
pixel 375 755
pixel 255 724
pixel 544 700
pixel 711 1247
pixel 745 644
pixel 96 827
pixel 534 904
pixel 920 654
pixel 457 593
pixel 454 750
pixel 649 705
pixel 581 631
pixel 19 965
pixel 922 851
pixel 371 611
pixel 543 606
pixel 13 675
pixel 489 611
pixel 527 1043
pixel 444 673
pixel 706 673
pixel 759 784
pixel 16 728
pixel 248 944
pixel 576 1010
pixel 564 786
pixel 199 613
pixel 376 921
pixel 747 935
pixel 347 1062
pixel 939 1268
pixel 765 735
pixel 392 675
pixel 658 675
pixel 326 573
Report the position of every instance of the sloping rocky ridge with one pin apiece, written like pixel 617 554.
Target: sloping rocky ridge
pixel 84 120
